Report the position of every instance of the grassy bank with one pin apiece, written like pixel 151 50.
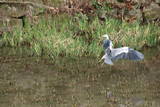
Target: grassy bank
pixel 64 35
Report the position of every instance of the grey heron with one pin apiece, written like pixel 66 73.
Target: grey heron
pixel 112 54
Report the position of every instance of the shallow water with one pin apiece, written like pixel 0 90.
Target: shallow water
pixel 82 82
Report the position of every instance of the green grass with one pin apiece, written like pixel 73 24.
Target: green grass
pixel 64 35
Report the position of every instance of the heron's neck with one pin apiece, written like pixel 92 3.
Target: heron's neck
pixel 110 45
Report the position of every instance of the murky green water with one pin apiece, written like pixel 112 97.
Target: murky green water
pixel 38 82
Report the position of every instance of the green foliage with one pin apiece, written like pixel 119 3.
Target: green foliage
pixel 64 35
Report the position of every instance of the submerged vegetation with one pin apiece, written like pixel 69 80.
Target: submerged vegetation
pixel 76 36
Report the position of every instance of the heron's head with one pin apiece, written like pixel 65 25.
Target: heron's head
pixel 107 43
pixel 105 36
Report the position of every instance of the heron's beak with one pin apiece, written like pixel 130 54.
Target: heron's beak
pixel 105 36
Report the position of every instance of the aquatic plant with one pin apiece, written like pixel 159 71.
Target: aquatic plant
pixel 66 35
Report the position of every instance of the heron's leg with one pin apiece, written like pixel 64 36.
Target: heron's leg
pixel 102 64
pixel 110 67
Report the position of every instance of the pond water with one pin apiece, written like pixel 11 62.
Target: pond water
pixel 81 82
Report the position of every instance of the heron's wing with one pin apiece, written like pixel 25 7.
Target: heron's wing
pixel 126 53
pixel 118 51
pixel 135 55
pixel 107 59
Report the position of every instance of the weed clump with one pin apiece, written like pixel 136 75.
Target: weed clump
pixel 80 34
